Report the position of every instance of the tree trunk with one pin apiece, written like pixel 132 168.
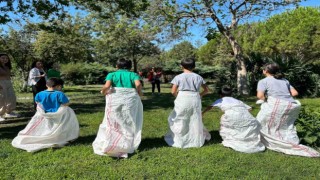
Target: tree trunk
pixel 135 65
pixel 242 83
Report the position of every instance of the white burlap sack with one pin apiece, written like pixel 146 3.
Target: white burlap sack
pixel 120 131
pixel 240 130
pixel 48 130
pixel 185 122
pixel 278 132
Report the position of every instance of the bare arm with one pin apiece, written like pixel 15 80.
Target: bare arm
pixel 174 90
pixel 294 92
pixel 205 90
pixel 106 87
pixel 138 87
pixel 260 95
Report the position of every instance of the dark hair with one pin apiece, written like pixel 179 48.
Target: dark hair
pixel 274 70
pixel 52 82
pixel 124 64
pixel 8 64
pixel 34 63
pixel 188 63
pixel 225 91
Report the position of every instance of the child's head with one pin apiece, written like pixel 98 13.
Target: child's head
pixel 188 63
pixel 4 60
pixel 225 91
pixel 273 69
pixel 55 83
pixel 124 64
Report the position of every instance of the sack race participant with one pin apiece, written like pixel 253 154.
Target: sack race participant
pixel 186 129
pixel 238 128
pixel 278 113
pixel 120 131
pixel 54 124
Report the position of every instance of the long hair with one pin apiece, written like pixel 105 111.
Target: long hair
pixel 274 70
pixel 8 64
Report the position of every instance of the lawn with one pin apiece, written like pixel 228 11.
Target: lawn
pixel 154 159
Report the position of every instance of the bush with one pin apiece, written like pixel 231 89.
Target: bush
pixel 84 73
pixel 308 126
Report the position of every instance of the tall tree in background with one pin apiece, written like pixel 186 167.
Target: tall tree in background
pixel 50 10
pixel 224 14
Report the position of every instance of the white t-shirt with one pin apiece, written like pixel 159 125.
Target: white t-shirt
pixel 227 101
pixel 188 82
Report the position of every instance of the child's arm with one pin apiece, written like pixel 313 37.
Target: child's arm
pixel 207 109
pixel 205 90
pixel 138 87
pixel 106 87
pixel 174 90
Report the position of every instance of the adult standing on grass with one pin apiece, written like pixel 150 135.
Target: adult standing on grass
pixel 278 113
pixel 37 79
pixel 7 95
pixel 120 131
pixel 185 121
pixel 154 77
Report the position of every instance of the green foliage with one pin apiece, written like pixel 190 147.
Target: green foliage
pixel 84 73
pixel 308 126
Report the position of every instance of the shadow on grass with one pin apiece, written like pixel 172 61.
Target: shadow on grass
pixel 10 132
pixel 84 140
pixel 88 108
pixel 163 100
pixel 151 143
pixel 215 138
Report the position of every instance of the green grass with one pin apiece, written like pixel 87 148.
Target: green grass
pixel 154 159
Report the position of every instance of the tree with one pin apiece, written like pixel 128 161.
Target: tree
pixel 19 46
pixel 48 9
pixel 225 14
pixel 181 51
pixel 71 44
pixel 124 37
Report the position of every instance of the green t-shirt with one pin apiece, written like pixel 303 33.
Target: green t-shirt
pixel 123 78
pixel 53 73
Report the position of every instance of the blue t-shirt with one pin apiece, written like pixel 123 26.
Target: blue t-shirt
pixel 51 100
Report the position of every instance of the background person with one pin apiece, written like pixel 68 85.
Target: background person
pixel 54 71
pixel 7 95
pixel 37 79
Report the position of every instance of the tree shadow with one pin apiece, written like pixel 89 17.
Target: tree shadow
pixel 164 100
pixel 10 132
pixel 84 140
pixel 79 108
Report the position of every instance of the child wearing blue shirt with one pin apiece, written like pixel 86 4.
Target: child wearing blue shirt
pixel 52 98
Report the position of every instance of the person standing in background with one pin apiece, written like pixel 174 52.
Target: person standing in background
pixel 37 79
pixel 7 95
pixel 54 71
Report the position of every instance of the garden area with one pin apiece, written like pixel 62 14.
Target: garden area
pixel 154 159
pixel 82 42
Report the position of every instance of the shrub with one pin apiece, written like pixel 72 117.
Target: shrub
pixel 84 73
pixel 308 126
